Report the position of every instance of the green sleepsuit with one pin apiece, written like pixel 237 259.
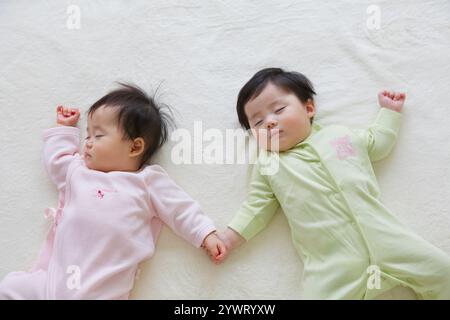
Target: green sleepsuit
pixel 351 245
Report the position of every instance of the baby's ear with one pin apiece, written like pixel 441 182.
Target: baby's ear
pixel 137 147
pixel 310 107
pixel 310 102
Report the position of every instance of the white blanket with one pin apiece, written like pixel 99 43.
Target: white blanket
pixel 199 54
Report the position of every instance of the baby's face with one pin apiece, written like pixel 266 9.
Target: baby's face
pixel 279 119
pixel 105 149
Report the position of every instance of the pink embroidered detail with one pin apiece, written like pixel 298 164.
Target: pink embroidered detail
pixel 344 147
pixel 100 194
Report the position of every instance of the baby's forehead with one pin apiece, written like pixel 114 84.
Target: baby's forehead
pixel 104 115
pixel 268 97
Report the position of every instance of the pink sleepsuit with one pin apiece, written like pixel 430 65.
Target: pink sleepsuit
pixel 104 226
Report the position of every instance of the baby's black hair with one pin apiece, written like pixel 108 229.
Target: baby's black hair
pixel 294 82
pixel 138 115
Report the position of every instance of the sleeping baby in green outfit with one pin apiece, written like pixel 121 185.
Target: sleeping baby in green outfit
pixel 351 245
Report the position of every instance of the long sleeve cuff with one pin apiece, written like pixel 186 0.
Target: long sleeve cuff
pixel 245 225
pixel 201 235
pixel 388 118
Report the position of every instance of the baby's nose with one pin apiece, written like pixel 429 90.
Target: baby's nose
pixel 271 124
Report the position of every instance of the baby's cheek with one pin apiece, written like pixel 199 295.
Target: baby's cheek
pixel 294 122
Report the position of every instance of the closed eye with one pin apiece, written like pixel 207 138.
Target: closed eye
pixel 96 136
pixel 258 123
pixel 280 109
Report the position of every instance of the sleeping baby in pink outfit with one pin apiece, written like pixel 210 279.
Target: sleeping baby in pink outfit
pixel 111 203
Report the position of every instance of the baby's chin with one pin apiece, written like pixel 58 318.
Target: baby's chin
pixel 280 148
pixel 277 147
pixel 92 167
pixel 284 145
pixel 89 164
pixel 100 167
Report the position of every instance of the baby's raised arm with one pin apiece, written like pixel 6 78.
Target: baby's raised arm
pixel 61 145
pixel 380 137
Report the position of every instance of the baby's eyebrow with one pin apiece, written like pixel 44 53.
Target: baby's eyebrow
pixel 276 101
pixel 94 127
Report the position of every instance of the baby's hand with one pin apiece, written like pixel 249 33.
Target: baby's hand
pixel 67 116
pixel 231 239
pixel 391 100
pixel 214 247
